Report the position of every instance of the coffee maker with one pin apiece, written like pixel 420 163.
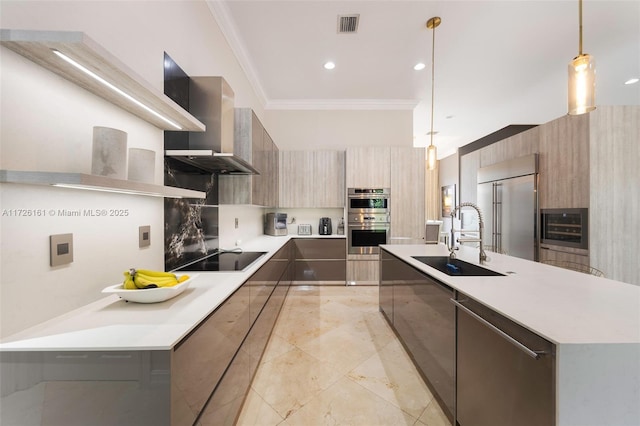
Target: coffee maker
pixel 325 226
pixel 275 224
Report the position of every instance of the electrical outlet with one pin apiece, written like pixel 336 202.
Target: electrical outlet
pixel 61 249
pixel 144 236
pixel 236 223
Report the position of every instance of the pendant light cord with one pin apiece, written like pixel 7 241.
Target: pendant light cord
pixel 580 25
pixel 433 68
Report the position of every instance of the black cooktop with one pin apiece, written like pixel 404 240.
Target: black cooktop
pixel 224 262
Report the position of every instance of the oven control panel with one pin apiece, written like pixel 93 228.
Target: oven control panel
pixel 368 218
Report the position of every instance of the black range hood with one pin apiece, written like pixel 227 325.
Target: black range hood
pixel 212 151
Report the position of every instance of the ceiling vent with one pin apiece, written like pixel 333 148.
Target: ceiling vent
pixel 348 24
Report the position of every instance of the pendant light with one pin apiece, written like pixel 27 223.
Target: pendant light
pixel 582 79
pixel 432 153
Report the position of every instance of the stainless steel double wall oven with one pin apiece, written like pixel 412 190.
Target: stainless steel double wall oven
pixel 369 216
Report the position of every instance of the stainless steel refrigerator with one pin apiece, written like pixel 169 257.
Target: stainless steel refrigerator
pixel 508 199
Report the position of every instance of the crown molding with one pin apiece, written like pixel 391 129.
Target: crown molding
pixel 342 104
pixel 221 14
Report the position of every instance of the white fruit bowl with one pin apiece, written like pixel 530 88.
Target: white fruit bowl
pixel 149 295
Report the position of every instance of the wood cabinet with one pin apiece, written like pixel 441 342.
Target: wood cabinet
pixel 363 271
pixel 368 167
pixel 407 169
pixel 564 163
pixel 320 260
pixel 312 179
pixel 253 144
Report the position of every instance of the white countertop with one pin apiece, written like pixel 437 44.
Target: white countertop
pixel 563 306
pixel 113 324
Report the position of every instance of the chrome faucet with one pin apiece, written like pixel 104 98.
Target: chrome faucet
pixel 483 255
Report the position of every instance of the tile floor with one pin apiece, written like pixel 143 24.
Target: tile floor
pixel 333 360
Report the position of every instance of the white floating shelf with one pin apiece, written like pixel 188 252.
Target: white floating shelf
pixel 38 46
pixel 96 183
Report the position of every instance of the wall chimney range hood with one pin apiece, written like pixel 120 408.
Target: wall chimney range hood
pixel 211 100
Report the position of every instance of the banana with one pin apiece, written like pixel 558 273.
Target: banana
pixel 144 279
pixel 142 282
pixel 155 274
pixel 128 282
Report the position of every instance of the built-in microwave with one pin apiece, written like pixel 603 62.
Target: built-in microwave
pixel 368 200
pixel 565 227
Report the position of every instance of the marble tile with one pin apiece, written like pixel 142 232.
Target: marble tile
pixel 433 416
pixel 347 403
pixel 297 326
pixel 333 359
pixel 341 347
pixel 276 347
pixel 257 412
pixel 289 381
pixel 390 374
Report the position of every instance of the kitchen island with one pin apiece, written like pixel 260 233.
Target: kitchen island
pixel 593 324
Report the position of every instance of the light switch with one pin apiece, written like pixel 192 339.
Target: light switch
pixel 61 249
pixel 144 236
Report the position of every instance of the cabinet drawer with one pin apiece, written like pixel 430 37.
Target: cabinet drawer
pixel 330 248
pixel 320 270
pixel 200 360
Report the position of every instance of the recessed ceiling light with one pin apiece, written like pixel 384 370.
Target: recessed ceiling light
pixel 632 81
pixel 419 66
pixel 329 65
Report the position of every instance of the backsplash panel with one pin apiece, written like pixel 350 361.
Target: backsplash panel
pixel 190 225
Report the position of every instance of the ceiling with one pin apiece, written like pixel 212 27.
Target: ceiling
pixel 497 63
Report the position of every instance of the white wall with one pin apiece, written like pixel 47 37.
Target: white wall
pixel 330 129
pixel 47 124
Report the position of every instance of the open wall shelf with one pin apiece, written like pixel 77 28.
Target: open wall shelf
pixel 96 183
pixel 39 46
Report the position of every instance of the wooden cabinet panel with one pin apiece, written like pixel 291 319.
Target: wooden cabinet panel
pixel 407 194
pixel 328 167
pixel 297 188
pixel 368 167
pixel 253 144
pixel 515 146
pixel 311 179
pixel 614 228
pixel 365 272
pixel 564 163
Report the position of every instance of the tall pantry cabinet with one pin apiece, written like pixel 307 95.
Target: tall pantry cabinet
pixel 402 170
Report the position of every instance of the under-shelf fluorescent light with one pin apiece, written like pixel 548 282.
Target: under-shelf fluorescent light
pixel 118 191
pixel 114 88
pixel 631 81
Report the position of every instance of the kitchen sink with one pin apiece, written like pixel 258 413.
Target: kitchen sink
pixel 456 267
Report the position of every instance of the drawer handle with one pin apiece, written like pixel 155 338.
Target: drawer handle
pixel 533 354
pixel 85 356
pixel 107 356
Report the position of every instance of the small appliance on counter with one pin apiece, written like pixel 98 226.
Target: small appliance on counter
pixel 275 224
pixel 325 226
pixel 304 229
